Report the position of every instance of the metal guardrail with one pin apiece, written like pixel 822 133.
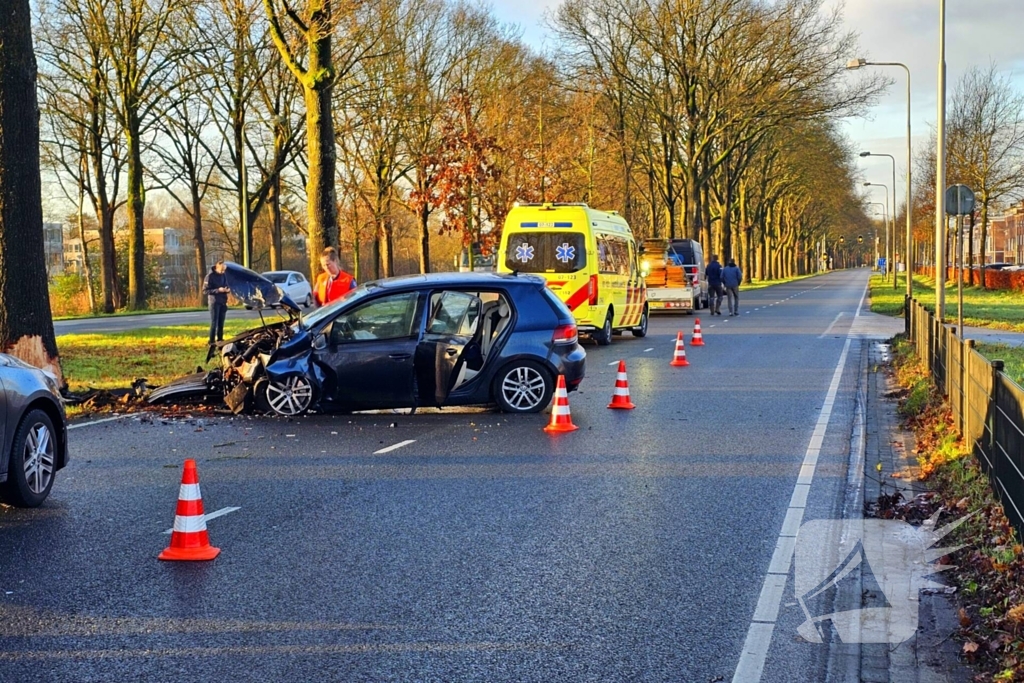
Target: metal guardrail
pixel 987 406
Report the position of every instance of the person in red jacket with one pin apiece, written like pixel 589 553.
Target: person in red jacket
pixel 334 282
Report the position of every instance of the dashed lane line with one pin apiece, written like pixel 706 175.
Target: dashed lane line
pixel 96 422
pixel 400 444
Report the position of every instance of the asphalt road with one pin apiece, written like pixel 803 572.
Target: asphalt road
pixel 478 548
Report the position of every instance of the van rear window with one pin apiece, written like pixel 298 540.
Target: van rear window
pixel 546 252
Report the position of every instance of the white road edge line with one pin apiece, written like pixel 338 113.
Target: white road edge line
pixel 648 350
pixel 400 444
pixel 96 422
pixel 212 515
pixel 762 626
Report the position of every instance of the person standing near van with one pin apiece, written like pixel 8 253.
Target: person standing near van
pixel 732 276
pixel 713 273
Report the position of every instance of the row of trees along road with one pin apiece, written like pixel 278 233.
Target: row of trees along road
pixel 985 151
pixel 713 119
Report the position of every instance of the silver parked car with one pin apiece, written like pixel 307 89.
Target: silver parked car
pixel 33 433
pixel 294 284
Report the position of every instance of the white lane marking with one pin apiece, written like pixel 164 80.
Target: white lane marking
pixel 829 328
pixel 614 362
pixel 759 635
pixel 648 350
pixel 96 422
pixel 400 444
pixel 213 515
pixel 710 326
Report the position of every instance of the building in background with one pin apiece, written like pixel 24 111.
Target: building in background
pixel 53 246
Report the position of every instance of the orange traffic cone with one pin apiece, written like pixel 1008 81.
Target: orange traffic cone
pixel 698 338
pixel 620 398
pixel 679 359
pixel 189 540
pixel 561 420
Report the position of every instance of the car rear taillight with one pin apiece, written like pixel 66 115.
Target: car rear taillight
pixel 565 334
pixel 592 290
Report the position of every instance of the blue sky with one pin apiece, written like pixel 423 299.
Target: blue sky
pixel 977 32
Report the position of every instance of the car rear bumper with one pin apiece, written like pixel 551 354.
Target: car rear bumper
pixel 572 366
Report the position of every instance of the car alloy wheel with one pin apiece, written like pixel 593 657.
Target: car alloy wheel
pixel 290 396
pixel 524 388
pixel 33 461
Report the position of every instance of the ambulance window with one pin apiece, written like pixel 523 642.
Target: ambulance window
pixel 546 252
pixel 613 256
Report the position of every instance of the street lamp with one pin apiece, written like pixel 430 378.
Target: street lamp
pixel 887 248
pixel 856 64
pixel 888 259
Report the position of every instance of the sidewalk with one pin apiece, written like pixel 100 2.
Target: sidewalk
pixel 931 655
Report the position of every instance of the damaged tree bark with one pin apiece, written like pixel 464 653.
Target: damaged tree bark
pixel 26 326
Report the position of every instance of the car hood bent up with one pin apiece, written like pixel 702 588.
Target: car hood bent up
pixel 254 290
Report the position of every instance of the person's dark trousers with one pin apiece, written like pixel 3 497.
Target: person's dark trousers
pixel 218 312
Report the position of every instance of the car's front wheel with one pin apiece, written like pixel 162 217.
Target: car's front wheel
pixel 33 461
pixel 288 397
pixel 523 387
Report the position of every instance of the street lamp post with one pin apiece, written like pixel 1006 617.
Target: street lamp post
pixel 891 250
pixel 888 258
pixel 856 64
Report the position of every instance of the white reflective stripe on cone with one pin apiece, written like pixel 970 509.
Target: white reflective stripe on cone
pixel 621 377
pixel 189 492
pixel 621 391
pixel 189 524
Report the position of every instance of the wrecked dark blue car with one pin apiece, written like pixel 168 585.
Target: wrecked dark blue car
pixel 445 339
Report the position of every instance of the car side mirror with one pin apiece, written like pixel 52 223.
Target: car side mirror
pixel 320 342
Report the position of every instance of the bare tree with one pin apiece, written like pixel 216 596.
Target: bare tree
pixel 986 141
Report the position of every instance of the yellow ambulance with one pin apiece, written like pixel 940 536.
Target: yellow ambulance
pixel 589 259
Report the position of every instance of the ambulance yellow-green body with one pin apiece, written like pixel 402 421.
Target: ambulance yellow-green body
pixel 589 259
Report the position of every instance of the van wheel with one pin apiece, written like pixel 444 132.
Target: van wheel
pixel 604 337
pixel 641 331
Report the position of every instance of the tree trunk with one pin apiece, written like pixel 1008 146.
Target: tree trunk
pixel 86 268
pixel 26 325
pixel 726 223
pixel 424 221
pixel 198 243
pixel 274 206
pixel 322 209
pixel 136 211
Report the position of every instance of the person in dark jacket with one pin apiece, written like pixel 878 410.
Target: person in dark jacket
pixel 713 273
pixel 732 276
pixel 215 287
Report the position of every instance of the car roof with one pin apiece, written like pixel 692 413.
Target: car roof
pixel 459 280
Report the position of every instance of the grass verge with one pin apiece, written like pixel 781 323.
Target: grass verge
pixel 989 569
pixel 1012 357
pixel 113 360
pixel 996 308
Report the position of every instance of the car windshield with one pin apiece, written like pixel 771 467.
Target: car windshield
pixel 310 320
pixel 276 278
pixel 546 252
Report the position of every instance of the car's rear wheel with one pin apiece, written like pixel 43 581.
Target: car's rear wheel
pixel 604 336
pixel 523 387
pixel 641 330
pixel 33 461
pixel 287 397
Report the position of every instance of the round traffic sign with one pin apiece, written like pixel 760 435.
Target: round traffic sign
pixel 959 200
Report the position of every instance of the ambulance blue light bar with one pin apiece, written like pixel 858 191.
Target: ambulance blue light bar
pixel 544 224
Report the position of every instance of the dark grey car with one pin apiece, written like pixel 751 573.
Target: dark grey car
pixel 33 432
